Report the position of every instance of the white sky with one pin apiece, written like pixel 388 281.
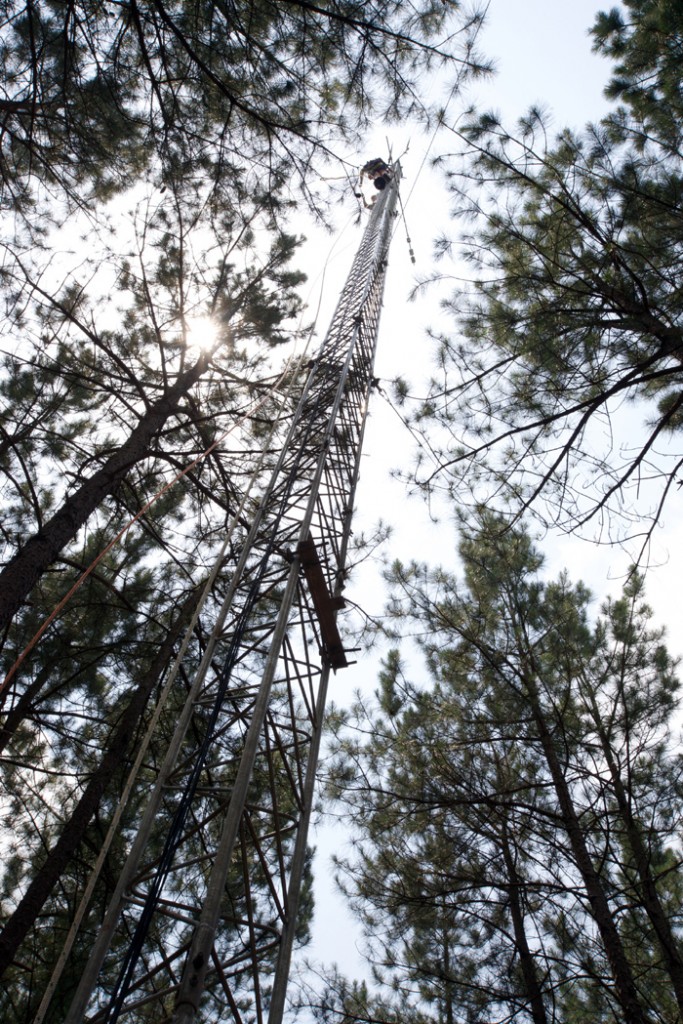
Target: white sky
pixel 543 55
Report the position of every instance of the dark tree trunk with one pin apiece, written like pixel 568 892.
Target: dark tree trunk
pixel 624 985
pixel 57 860
pixel 649 897
pixel 19 711
pixel 526 957
pixel 22 573
pixel 448 988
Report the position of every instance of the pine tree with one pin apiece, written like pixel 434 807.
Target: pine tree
pixel 489 800
pixel 95 95
pixel 571 332
pixel 643 39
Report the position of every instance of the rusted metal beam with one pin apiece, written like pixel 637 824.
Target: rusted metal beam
pixel 326 606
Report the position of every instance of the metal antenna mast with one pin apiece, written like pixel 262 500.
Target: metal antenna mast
pixel 203 918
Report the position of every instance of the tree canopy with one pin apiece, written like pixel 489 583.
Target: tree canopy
pixel 95 95
pixel 515 821
pixel 515 801
pixel 152 156
pixel 518 819
pixel 559 386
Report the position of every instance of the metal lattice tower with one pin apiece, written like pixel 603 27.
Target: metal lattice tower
pixel 202 928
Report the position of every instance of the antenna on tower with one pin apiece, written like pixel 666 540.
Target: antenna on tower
pixel 204 915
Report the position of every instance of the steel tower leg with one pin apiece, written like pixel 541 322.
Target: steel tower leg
pixel 202 922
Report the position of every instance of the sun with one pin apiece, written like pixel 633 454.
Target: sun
pixel 201 333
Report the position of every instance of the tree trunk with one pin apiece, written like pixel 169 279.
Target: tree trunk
pixel 447 985
pixel 624 985
pixel 21 574
pixel 57 860
pixel 526 957
pixel 18 713
pixel 649 897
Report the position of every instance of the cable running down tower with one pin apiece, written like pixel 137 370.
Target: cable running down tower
pixel 204 915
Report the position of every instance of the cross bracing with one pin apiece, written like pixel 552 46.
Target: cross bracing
pixel 204 915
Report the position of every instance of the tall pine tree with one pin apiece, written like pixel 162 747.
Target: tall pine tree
pixel 516 820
